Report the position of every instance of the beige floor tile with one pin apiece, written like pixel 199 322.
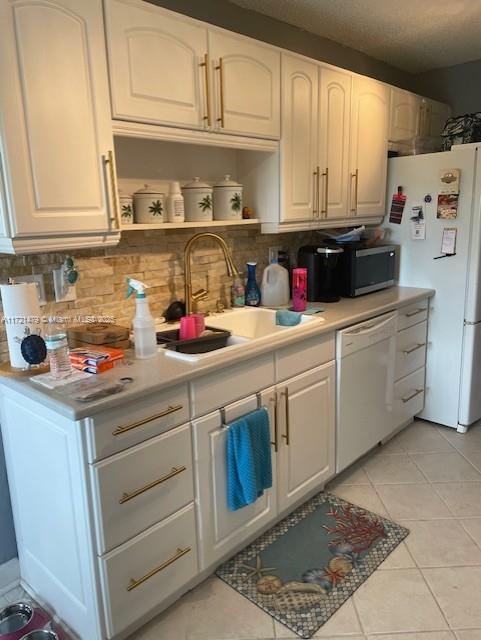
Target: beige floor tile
pixel 400 558
pixel 472 634
pixel 362 496
pixel 422 437
pixel 212 611
pixel 412 501
pixel 396 601
pixel 457 590
pixel 473 527
pixel 343 622
pixel 395 468
pixel 446 467
pixel 426 635
pixel 353 475
pixel 463 498
pixel 474 457
pixel 431 544
pixel 391 446
pixel 463 441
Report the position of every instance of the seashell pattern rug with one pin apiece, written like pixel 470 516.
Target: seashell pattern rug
pixel 304 568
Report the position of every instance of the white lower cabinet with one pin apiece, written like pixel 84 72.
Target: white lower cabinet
pixel 306 428
pixel 137 576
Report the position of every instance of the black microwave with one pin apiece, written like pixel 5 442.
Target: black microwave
pixel 364 269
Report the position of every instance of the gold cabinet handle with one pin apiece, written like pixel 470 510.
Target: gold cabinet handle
pixel 415 348
pixel 133 425
pixel 325 175
pixel 355 175
pixel 414 313
pixel 114 214
pixel 220 69
pixel 412 395
pixel 315 189
pixel 286 436
pixel 155 483
pixel 205 64
pixel 275 444
pixel 136 582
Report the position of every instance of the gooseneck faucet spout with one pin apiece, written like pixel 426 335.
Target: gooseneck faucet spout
pixel 190 296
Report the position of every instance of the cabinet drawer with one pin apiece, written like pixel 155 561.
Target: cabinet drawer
pixel 226 385
pixel 132 423
pixel 413 314
pixel 141 574
pixel 410 349
pixel 143 485
pixel 408 397
pixel 305 355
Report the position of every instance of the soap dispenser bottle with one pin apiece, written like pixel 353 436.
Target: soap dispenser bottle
pixel 253 293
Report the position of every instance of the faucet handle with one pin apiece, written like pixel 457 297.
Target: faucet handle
pixel 201 294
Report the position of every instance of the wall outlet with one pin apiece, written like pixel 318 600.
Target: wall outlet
pixel 38 278
pixel 64 292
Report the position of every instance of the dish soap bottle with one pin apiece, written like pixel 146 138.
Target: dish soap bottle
pixel 238 293
pixel 253 293
pixel 143 323
pixel 275 285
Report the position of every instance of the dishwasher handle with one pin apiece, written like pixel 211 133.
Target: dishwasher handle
pixel 368 329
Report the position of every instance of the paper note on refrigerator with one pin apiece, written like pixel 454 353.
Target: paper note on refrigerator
pixel 448 245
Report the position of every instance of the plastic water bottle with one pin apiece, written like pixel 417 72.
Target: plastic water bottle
pixel 57 350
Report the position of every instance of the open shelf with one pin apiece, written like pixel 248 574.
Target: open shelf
pixel 189 225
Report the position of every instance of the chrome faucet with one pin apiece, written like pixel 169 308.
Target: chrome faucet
pixel 190 296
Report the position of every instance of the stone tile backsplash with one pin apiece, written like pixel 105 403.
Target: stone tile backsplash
pixel 156 258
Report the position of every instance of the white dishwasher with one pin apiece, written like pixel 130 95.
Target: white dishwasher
pixel 365 354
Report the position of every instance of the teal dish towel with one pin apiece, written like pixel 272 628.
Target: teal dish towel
pixel 249 466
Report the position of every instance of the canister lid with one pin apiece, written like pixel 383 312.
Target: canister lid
pixel 197 184
pixel 227 182
pixel 149 190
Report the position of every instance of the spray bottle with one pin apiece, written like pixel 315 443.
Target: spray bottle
pixel 144 323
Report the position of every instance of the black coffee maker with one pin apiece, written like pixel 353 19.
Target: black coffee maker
pixel 322 264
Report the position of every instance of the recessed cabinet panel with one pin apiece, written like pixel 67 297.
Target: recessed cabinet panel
pixel 299 133
pixel 155 65
pixel 406 111
pixel 335 117
pixel 246 85
pixel 369 135
pixel 56 116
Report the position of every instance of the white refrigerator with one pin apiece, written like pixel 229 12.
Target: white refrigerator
pixel 453 373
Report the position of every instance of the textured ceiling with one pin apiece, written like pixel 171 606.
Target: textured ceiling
pixel 414 35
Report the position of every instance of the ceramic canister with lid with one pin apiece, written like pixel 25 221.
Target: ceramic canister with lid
pixel 149 205
pixel 126 208
pixel 227 200
pixel 197 201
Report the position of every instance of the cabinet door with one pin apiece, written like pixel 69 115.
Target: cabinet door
pixel 155 59
pixel 335 118
pixel 299 139
pixel 306 427
pixel 369 133
pixel 405 119
pixel 221 530
pixel 438 114
pixel 246 85
pixel 56 123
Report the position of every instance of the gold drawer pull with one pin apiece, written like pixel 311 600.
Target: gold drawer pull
pixel 155 483
pixel 414 313
pixel 412 395
pixel 415 348
pixel 128 427
pixel 134 583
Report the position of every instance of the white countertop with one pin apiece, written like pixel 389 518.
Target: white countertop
pixel 163 371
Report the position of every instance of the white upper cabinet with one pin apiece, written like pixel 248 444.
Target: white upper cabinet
pixel 335 121
pixel 158 65
pixel 55 126
pixel 406 115
pixel 246 85
pixel 369 135
pixel 438 114
pixel 299 152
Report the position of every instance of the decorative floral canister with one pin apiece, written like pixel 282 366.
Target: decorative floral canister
pixel 197 201
pixel 126 208
pixel 149 206
pixel 227 200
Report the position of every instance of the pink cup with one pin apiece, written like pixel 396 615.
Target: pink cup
pixel 199 323
pixel 187 329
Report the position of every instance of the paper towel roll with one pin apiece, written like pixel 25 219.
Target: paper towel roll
pixel 21 313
